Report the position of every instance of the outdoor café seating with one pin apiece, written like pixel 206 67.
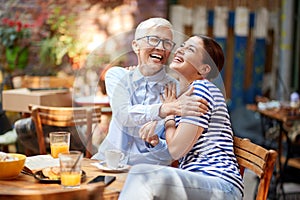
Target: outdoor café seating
pixel 259 160
pixel 66 117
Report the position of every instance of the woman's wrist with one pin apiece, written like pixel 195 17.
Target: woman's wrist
pixel 169 119
pixel 163 110
pixel 167 109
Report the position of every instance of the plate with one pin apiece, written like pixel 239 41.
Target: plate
pixel 102 165
pixel 43 179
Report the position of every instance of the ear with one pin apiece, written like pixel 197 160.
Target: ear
pixel 204 70
pixel 207 69
pixel 135 46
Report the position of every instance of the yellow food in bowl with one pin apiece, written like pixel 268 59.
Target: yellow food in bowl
pixel 12 168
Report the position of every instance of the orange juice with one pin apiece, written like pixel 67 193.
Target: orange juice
pixel 57 148
pixel 70 178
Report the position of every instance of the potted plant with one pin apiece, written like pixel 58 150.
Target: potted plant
pixel 14 35
pixel 59 44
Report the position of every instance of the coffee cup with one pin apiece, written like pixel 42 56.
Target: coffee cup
pixel 113 158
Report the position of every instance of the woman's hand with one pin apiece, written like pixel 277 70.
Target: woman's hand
pixel 169 93
pixel 185 105
pixel 147 133
pixel 130 68
pixel 191 104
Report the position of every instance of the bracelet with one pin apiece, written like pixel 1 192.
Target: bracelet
pixel 171 119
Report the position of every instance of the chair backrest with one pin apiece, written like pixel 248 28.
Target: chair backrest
pixel 65 117
pixel 257 159
pixel 47 81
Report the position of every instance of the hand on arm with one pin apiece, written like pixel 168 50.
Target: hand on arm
pixel 185 105
pixel 147 133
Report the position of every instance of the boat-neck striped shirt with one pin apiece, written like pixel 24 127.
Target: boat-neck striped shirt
pixel 213 152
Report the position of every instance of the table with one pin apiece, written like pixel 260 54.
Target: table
pixel 284 120
pixel 17 100
pixel 281 116
pixel 24 185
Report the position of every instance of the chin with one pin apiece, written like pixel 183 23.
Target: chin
pixel 175 66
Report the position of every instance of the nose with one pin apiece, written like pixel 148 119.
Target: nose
pixel 160 45
pixel 179 50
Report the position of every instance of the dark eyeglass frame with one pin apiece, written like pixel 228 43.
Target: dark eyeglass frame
pixel 159 40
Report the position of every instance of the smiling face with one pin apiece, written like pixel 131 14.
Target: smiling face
pixel 152 59
pixel 188 60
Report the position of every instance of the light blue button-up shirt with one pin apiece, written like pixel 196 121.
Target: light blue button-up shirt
pixel 135 100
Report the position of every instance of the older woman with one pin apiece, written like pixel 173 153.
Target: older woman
pixel 203 144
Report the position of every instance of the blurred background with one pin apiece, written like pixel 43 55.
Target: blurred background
pixel 259 37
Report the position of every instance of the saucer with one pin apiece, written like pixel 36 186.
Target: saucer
pixel 103 166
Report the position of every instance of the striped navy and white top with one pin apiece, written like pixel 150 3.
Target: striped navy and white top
pixel 213 152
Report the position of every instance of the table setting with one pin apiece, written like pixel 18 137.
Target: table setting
pixel 113 162
pixel 63 170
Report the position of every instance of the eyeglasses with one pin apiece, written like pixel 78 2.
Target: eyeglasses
pixel 154 41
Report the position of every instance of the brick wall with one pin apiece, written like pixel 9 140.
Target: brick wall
pixel 96 21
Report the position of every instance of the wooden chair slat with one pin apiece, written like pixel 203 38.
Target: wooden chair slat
pixel 257 159
pixel 65 117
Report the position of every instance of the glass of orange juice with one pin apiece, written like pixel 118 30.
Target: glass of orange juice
pixel 59 143
pixel 70 169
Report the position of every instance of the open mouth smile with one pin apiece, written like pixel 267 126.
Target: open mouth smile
pixel 156 56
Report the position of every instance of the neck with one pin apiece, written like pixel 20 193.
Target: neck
pixel 148 70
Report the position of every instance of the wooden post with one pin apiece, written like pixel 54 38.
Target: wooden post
pixel 229 51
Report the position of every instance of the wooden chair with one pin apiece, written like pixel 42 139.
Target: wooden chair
pixel 65 117
pixel 257 159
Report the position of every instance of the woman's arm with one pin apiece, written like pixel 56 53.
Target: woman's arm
pixel 180 140
pixel 128 115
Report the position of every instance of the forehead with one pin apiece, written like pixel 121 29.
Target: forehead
pixel 160 31
pixel 195 41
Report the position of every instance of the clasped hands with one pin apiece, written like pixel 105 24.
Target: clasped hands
pixel 185 105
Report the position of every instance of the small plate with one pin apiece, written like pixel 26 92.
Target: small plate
pixel 102 165
pixel 43 179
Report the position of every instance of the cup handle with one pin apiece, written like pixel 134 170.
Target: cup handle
pixel 122 156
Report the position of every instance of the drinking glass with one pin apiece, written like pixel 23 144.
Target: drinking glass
pixel 70 169
pixel 59 143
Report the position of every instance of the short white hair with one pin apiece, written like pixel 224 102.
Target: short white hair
pixel 144 26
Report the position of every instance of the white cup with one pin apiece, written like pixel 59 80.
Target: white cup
pixel 113 158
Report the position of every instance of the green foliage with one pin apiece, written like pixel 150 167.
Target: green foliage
pixel 61 40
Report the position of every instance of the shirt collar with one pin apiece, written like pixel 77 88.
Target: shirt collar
pixel 151 80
